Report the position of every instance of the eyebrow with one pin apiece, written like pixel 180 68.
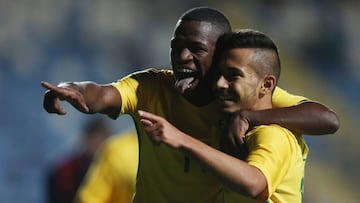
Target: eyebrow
pixel 234 70
pixel 188 41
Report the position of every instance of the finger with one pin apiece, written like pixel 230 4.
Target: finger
pixel 155 139
pixel 51 103
pixel 238 135
pixel 148 116
pixel 80 104
pixel 60 91
pixel 48 85
pixel 146 123
pixel 84 107
pixel 151 131
pixel 58 108
pixel 241 132
pixel 230 135
pixel 149 126
pixel 239 139
pixel 73 96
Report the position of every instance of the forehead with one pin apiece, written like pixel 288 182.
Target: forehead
pixel 238 58
pixel 241 56
pixel 196 30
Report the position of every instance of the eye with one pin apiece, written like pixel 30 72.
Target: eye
pixel 233 74
pixel 197 48
pixel 230 77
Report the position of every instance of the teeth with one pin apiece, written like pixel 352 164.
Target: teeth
pixel 185 71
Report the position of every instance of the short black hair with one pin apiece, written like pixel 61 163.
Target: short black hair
pixel 267 55
pixel 206 14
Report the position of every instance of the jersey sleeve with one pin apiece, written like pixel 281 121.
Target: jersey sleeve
pixel 127 88
pixel 139 88
pixel 282 98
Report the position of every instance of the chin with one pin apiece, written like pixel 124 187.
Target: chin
pixel 226 110
pixel 227 107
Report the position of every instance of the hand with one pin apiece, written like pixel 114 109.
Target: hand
pixel 160 130
pixel 236 126
pixel 64 91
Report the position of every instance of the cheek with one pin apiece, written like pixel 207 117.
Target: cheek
pixel 241 90
pixel 206 62
pixel 246 94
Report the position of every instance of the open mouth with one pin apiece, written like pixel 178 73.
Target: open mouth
pixel 185 79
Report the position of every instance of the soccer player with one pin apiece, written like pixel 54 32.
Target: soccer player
pixel 183 96
pixel 66 176
pixel 112 175
pixel 274 165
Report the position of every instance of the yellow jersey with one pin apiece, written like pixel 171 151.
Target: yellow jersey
pixel 111 177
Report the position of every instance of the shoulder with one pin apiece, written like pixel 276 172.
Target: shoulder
pixel 270 134
pixel 150 76
pixel 153 72
pixel 148 80
pixel 117 150
pixel 282 98
pixel 121 140
pixel 267 129
pixel 277 138
pixel 270 141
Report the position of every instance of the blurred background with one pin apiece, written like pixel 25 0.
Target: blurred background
pixel 76 40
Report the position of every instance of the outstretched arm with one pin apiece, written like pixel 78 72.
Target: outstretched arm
pixel 233 172
pixel 87 97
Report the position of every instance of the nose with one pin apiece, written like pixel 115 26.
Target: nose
pixel 221 83
pixel 185 55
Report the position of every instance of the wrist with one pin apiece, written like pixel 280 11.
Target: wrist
pixel 189 144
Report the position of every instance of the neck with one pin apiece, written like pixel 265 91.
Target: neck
pixel 204 94
pixel 201 99
pixel 264 102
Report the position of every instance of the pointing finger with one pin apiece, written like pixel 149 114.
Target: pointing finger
pixel 48 85
pixel 149 116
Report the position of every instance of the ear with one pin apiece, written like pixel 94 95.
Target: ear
pixel 268 84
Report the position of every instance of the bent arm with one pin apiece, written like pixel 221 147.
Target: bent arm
pixel 307 117
pixel 234 173
pixel 87 97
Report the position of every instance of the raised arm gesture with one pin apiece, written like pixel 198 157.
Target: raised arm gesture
pixel 87 97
